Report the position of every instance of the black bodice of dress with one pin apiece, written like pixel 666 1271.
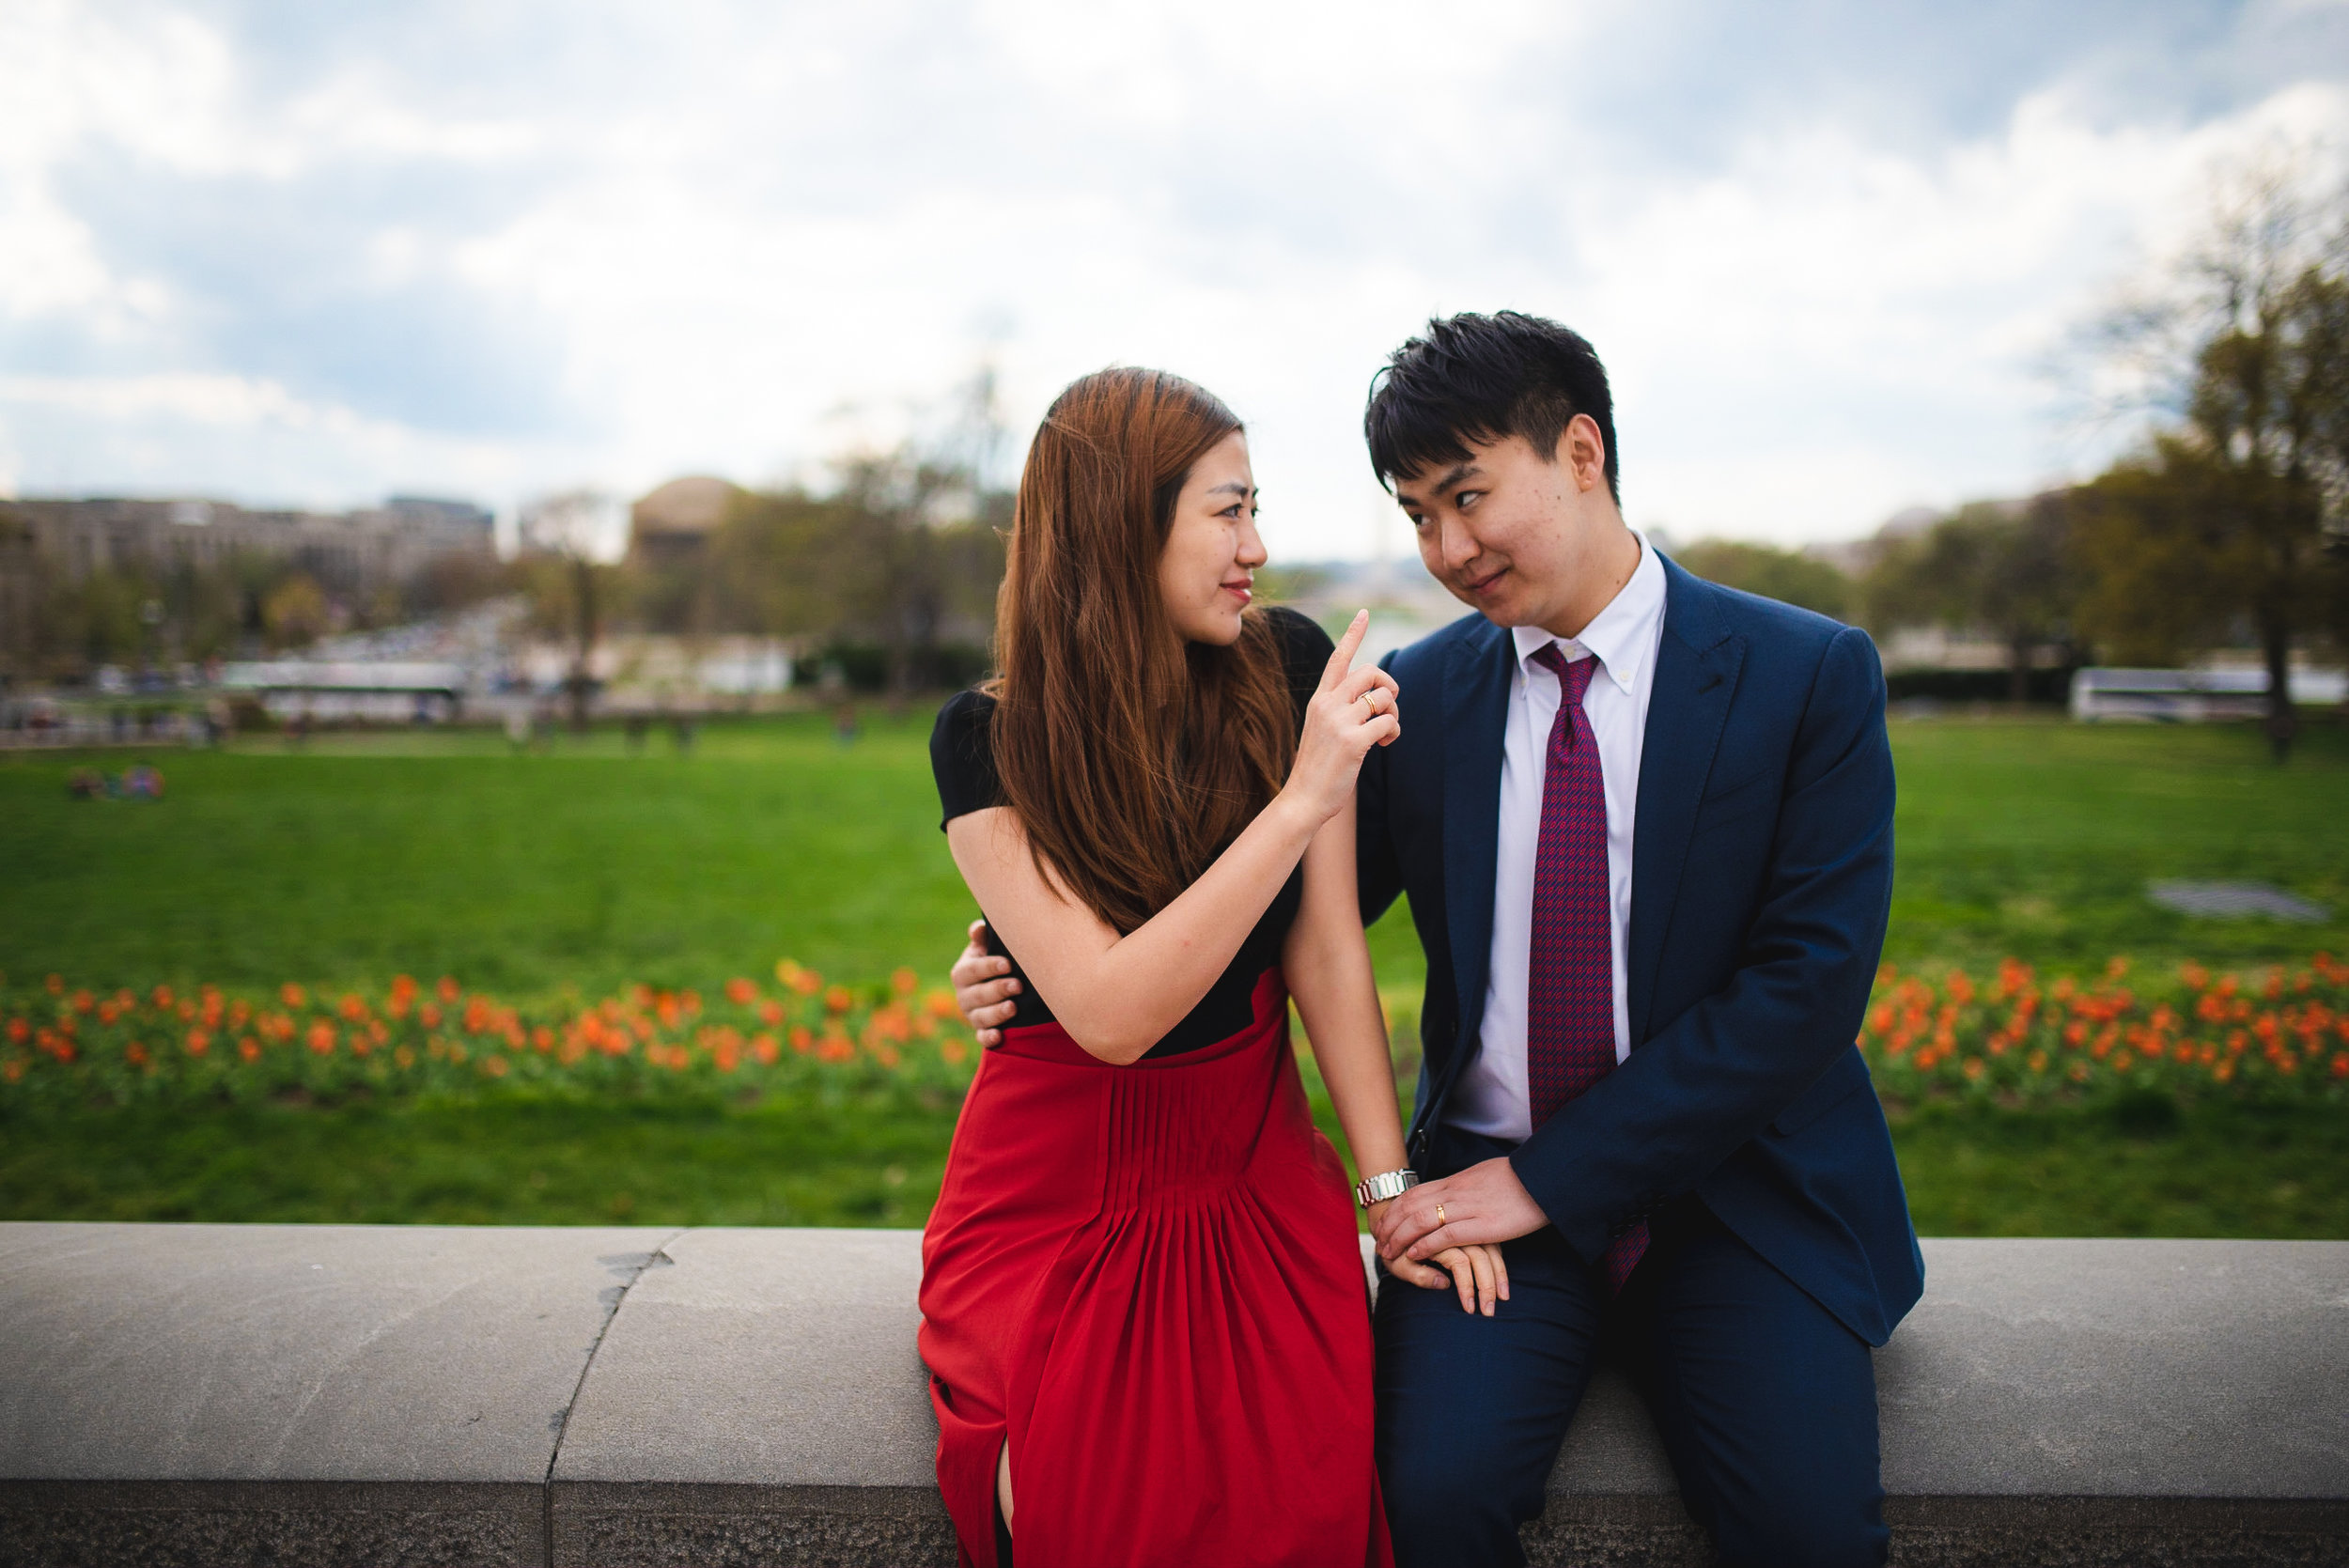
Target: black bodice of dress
pixel 963 759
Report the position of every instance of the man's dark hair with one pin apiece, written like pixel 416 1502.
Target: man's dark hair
pixel 1483 379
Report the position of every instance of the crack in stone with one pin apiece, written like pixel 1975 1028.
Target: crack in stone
pixel 629 1267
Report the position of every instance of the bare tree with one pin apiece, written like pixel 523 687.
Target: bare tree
pixel 2241 346
pixel 583 529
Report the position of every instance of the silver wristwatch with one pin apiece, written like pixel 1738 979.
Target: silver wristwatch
pixel 1385 1185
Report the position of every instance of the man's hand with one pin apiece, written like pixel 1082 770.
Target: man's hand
pixel 1485 1202
pixel 984 987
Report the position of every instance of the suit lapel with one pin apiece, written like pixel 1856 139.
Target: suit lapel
pixel 1696 676
pixel 1476 709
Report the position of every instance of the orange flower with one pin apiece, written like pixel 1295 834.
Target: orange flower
pixel 741 992
pixel 765 1048
pixel 954 1050
pixel 291 994
pixel 321 1037
pixel 249 1049
pixel 448 989
pixel 838 999
pixel 802 1040
pixel 198 1042
pixel 771 1013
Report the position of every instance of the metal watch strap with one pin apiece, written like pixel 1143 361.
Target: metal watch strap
pixel 1385 1185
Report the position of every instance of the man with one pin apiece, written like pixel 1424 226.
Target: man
pixel 1645 825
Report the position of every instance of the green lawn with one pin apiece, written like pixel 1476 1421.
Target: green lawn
pixel 2038 839
pixel 586 867
pixel 2212 1170
pixel 583 868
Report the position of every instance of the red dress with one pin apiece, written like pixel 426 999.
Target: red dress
pixel 1147 1278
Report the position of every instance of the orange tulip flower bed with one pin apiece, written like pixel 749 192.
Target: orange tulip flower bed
pixel 2011 1038
pixel 60 1041
pixel 2014 1039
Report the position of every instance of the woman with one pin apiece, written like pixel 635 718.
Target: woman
pixel 1143 1302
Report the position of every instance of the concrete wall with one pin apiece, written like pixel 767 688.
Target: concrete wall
pixel 361 1395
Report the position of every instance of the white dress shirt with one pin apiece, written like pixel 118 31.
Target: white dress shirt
pixel 1490 1097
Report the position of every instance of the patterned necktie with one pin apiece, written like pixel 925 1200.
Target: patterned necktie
pixel 1570 1000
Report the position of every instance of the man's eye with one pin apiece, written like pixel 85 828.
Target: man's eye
pixel 1466 498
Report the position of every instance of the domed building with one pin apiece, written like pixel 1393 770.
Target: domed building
pixel 672 525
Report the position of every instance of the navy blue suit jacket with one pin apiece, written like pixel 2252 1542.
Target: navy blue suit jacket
pixel 1761 873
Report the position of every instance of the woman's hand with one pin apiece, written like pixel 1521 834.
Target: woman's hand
pixel 1478 1274
pixel 1353 710
pixel 984 988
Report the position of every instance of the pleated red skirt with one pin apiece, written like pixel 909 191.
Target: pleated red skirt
pixel 1147 1279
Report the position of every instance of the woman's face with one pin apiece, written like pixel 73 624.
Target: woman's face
pixel 1207 574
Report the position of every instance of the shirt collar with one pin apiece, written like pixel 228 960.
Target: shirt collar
pixel 1620 635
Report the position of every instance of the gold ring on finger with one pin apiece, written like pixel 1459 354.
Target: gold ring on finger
pixel 1439 1214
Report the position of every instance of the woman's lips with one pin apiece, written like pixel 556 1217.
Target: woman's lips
pixel 1241 591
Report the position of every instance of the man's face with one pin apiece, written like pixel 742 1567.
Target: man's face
pixel 1506 529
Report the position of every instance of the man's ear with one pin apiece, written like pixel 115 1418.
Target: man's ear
pixel 1582 450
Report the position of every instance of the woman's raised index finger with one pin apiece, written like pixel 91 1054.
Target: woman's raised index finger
pixel 1342 659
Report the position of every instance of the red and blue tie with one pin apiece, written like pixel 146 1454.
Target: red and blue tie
pixel 1570 1000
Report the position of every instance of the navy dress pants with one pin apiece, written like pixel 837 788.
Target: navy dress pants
pixel 1766 1403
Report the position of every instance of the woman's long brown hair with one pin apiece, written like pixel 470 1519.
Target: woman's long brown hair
pixel 1132 755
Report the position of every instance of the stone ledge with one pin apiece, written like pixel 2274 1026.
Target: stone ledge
pixel 351 1394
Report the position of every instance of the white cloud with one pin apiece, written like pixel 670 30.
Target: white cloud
pixel 719 227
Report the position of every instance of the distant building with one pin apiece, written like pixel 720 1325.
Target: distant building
pixel 348 552
pixel 672 525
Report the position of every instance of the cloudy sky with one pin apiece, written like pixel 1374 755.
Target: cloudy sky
pixel 316 253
